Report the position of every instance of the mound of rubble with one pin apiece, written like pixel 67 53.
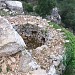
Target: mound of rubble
pixel 45 57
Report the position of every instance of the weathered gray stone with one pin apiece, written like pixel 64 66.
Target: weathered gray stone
pixel 14 6
pixel 2 4
pixel 27 63
pixel 24 63
pixel 52 70
pixel 39 72
pixel 10 41
pixel 6 10
pixel 55 17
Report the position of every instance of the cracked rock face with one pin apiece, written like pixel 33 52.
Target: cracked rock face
pixel 10 41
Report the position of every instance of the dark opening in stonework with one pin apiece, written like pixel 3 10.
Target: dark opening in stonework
pixel 31 35
pixel 31 43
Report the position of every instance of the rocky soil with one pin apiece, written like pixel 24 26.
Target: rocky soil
pixel 44 59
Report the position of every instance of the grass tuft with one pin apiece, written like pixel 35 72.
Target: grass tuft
pixel 69 61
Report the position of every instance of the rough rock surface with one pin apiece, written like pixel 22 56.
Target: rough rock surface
pixel 10 41
pixel 11 7
pixel 2 4
pixel 14 6
pixel 55 16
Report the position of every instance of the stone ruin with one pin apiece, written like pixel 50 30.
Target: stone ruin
pixel 45 46
pixel 55 16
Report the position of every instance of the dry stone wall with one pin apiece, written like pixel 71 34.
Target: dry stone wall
pixel 48 56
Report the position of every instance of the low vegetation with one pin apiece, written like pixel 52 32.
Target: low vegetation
pixel 27 7
pixel 70 50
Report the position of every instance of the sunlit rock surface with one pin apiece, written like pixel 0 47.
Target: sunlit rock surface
pixel 10 41
pixel 14 6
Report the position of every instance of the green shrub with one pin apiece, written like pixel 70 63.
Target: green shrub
pixel 67 11
pixel 44 7
pixel 3 13
pixel 27 7
pixel 0 69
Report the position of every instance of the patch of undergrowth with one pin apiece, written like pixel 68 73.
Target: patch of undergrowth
pixel 3 13
pixel 70 69
pixel 0 69
pixel 27 7
pixel 8 69
pixel 69 58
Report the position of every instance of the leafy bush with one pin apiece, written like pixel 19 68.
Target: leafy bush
pixel 70 70
pixel 44 7
pixel 28 7
pixel 67 11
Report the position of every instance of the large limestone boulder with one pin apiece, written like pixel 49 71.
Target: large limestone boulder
pixel 14 6
pixel 10 41
pixel 2 4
